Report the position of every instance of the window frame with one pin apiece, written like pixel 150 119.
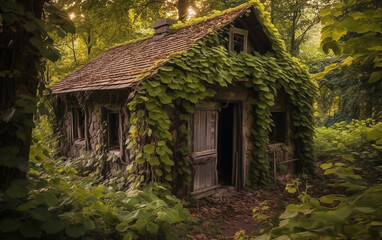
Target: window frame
pixel 238 31
pixel 284 127
pixel 111 146
pixel 78 131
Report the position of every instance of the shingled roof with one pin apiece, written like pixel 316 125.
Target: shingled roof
pixel 119 67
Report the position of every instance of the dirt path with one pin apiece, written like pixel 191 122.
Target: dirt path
pixel 222 217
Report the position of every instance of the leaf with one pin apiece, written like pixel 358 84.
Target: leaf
pixel 17 189
pixel 159 172
pixel 152 228
pixel 365 209
pixel 287 215
pixel 154 161
pixel 140 213
pixel 75 231
pixel 148 148
pixel 341 213
pixel 325 166
pixel 123 226
pixel 129 236
pixel 166 160
pixel 50 199
pixel 40 213
pixel 375 77
pixel 167 68
pixel 52 226
pixel 171 216
pixel 140 225
pixel 329 199
pixel 8 225
pixel 348 157
pixel 374 134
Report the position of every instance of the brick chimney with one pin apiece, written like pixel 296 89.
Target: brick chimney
pixel 162 27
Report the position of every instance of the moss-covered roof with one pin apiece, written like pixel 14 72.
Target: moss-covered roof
pixel 122 66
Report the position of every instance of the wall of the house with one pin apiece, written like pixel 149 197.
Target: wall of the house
pixel 95 108
pixel 97 105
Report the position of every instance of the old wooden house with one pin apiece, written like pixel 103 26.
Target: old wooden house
pixel 217 100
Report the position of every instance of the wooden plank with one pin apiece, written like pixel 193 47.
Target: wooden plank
pixel 204 151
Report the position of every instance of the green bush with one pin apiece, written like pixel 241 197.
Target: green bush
pixel 358 140
pixel 54 202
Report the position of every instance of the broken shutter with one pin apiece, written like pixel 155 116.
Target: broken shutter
pixel 204 125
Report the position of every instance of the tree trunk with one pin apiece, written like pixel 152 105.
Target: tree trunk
pixel 182 9
pixel 89 44
pixel 19 62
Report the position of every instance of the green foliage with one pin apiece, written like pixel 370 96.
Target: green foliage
pixel 352 30
pixel 357 141
pixel 55 202
pixel 186 78
pixel 353 209
pixel 354 214
pixel 295 20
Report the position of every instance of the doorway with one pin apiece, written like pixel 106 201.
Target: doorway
pixel 230 164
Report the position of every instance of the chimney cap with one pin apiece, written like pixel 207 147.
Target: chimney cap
pixel 163 22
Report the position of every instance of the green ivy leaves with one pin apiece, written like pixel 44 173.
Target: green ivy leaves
pixel 186 79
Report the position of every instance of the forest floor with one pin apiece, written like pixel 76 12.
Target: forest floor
pixel 221 218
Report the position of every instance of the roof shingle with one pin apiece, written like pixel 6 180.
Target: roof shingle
pixel 120 66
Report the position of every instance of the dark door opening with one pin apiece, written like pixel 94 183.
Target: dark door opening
pixel 229 145
pixel 225 144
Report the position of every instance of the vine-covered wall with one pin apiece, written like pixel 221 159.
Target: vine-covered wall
pixel 161 105
pixel 188 78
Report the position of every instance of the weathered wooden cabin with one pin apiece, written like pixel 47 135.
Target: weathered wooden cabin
pixel 217 100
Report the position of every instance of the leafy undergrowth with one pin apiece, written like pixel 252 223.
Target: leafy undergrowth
pixel 359 140
pixel 54 202
pixel 352 209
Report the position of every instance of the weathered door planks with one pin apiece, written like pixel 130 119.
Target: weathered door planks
pixel 204 124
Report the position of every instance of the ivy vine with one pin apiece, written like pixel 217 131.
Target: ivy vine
pixel 164 102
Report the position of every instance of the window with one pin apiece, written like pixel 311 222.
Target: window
pixel 113 130
pixel 278 130
pixel 238 40
pixel 78 124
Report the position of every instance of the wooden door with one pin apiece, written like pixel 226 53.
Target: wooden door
pixel 204 125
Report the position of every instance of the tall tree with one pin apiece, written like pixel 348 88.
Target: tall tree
pixel 23 43
pixel 294 19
